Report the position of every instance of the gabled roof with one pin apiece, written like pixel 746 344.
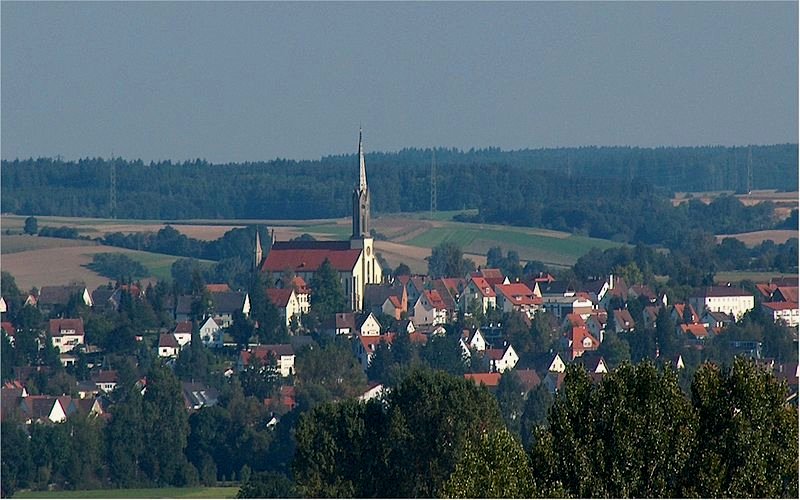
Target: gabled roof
pixel 59 325
pixel 36 407
pixel 218 287
pixel 300 286
pixel 362 318
pixel 696 329
pixel 766 289
pixel 721 291
pixel 340 321
pixel 497 354
pixel 578 334
pixel 228 302
pixel 395 301
pixel 106 376
pixel 554 287
pixel 53 295
pixel 448 289
pixel 517 293
pixel 642 290
pixel 376 294
pixel 529 379
pixel 679 310
pixel 8 328
pixel 487 379
pixel 262 352
pixel 789 293
pixel 371 342
pixel 280 296
pixel 574 320
pixel 168 340
pixel 183 327
pixel 780 306
pixel 308 256
pixel 623 318
pixel 435 299
pixel 483 287
pixel 491 275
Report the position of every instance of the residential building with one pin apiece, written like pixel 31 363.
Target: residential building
pixel 66 333
pixel 727 299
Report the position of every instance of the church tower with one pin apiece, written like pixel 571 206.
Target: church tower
pixel 257 253
pixel 361 198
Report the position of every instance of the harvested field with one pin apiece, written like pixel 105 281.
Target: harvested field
pixel 756 237
pixel 64 265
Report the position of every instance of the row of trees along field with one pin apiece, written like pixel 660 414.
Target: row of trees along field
pixel 633 434
pixel 538 181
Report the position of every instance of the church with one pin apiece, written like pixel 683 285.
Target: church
pixel 354 259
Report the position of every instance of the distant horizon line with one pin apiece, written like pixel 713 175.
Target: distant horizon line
pixel 399 151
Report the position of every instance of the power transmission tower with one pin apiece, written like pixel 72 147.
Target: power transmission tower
pixel 433 182
pixel 112 193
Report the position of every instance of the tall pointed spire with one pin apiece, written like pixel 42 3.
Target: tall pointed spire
pixel 362 172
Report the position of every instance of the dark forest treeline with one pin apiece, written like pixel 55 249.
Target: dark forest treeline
pixel 399 181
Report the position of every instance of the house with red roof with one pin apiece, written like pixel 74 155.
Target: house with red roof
pixel 517 297
pixel 430 309
pixel 492 276
pixel 477 293
pixel 580 341
pixel 46 409
pixel 490 380
pixel 287 303
pixel 366 345
pixel 623 322
pixel 787 312
pixel 696 332
pixel 66 333
pixel 9 331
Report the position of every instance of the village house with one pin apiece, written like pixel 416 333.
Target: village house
pixel 389 299
pixel 282 354
pixel 489 380
pixel 477 293
pixel 623 322
pixel 366 345
pixel 287 302
pixel 54 298
pixel 517 297
pixel 66 333
pixel 727 299
pixel 579 340
pixel 366 324
pixel 226 304
pixel 46 409
pixel 339 324
pixel 211 334
pixel 105 380
pixel 430 309
pixel 168 346
pixel 183 333
pixel 786 312
pixel 501 360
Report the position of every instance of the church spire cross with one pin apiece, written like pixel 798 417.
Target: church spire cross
pixel 362 172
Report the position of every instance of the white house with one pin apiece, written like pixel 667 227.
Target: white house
pixel 727 299
pixel 501 360
pixel 282 354
pixel 287 302
pixel 183 333
pixel 787 312
pixel 46 408
pixel 225 304
pixel 168 346
pixel 211 334
pixel 367 325
pixel 430 309
pixel 477 291
pixel 66 333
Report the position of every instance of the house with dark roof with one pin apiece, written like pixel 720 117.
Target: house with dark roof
pixel 54 298
pixel 168 346
pixel 226 304
pixel 340 324
pixel 623 322
pixel 197 395
pixel 66 333
pixel 477 292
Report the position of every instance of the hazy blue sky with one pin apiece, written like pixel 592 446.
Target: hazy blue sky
pixel 255 81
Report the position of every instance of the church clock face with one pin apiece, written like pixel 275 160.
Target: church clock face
pixel 369 250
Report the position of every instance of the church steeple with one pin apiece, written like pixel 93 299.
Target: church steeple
pixel 361 197
pixel 362 172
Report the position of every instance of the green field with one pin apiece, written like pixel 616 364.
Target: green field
pixel 337 231
pixel 216 492
pixel 756 277
pixel 24 242
pixel 159 264
pixel 556 249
